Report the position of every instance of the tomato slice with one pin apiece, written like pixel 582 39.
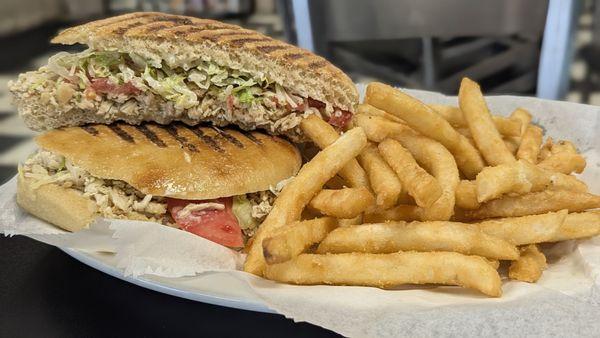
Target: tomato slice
pixel 219 226
pixel 103 86
pixel 340 118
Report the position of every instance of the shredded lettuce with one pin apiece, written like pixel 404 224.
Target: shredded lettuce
pixel 245 96
pixel 172 88
pixel 174 84
pixel 242 209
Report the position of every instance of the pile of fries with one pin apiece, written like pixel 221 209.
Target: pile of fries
pixel 425 194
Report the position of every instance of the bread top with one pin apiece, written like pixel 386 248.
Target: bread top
pixel 164 36
pixel 176 160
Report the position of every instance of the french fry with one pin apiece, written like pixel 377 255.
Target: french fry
pixel 526 229
pixel 423 187
pixel 478 117
pixel 564 146
pixel 521 177
pixel 426 121
pixel 545 150
pixel 297 194
pixel 383 179
pixel 529 267
pixel 290 241
pixel 342 222
pixel 389 270
pixel 400 212
pixel 343 203
pixel 466 195
pixel 392 237
pixel 578 225
pixel 336 182
pixel 494 263
pixel 534 203
pixel 466 132
pixel 452 114
pixel 564 162
pixel 429 154
pixel 506 126
pixel 323 134
pixel 368 109
pixel 512 146
pixel 438 161
pixel 378 128
pixel 530 144
pixel 524 116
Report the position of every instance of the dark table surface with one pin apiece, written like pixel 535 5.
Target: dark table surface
pixel 46 293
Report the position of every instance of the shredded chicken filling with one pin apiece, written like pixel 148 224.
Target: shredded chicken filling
pixel 117 199
pixel 122 85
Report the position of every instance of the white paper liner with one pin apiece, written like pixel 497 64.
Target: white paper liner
pixel 565 301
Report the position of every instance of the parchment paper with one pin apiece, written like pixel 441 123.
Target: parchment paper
pixel 565 302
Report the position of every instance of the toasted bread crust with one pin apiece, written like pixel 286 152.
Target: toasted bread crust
pixel 63 207
pixel 177 160
pixel 163 35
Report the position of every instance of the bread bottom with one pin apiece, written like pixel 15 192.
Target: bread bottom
pixel 64 207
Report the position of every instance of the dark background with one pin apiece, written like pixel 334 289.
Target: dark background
pixel 46 293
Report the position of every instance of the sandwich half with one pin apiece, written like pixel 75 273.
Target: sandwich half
pixel 163 68
pixel 216 183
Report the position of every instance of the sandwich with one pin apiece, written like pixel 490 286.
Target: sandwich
pixel 217 183
pixel 163 68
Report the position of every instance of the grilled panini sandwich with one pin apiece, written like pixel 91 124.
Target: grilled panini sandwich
pixel 216 183
pixel 163 68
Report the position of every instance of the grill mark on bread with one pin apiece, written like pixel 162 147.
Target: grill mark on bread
pixel 174 132
pixel 115 20
pixel 251 137
pixel 234 32
pixel 209 141
pixel 228 137
pixel 90 130
pixel 271 48
pixel 176 20
pixel 159 23
pixel 121 133
pixel 241 42
pixel 196 28
pixel 155 28
pixel 295 56
pixel 151 136
pixel 317 65
pixel 123 30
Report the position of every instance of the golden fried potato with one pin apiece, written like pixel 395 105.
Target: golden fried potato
pixel 525 229
pixel 383 179
pixel 288 242
pixel 323 135
pixel 478 117
pixel 343 203
pixel 391 237
pixel 423 187
pixel 389 270
pixel 534 203
pixel 297 194
pixel 426 121
pixel 529 267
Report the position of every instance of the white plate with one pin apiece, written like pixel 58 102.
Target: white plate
pixel 213 288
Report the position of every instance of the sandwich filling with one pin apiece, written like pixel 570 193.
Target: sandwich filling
pixel 228 221
pixel 132 88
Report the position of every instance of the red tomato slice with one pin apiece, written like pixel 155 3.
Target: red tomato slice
pixel 340 118
pixel 219 226
pixel 103 86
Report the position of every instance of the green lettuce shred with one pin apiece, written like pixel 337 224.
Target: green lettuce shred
pixel 242 209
